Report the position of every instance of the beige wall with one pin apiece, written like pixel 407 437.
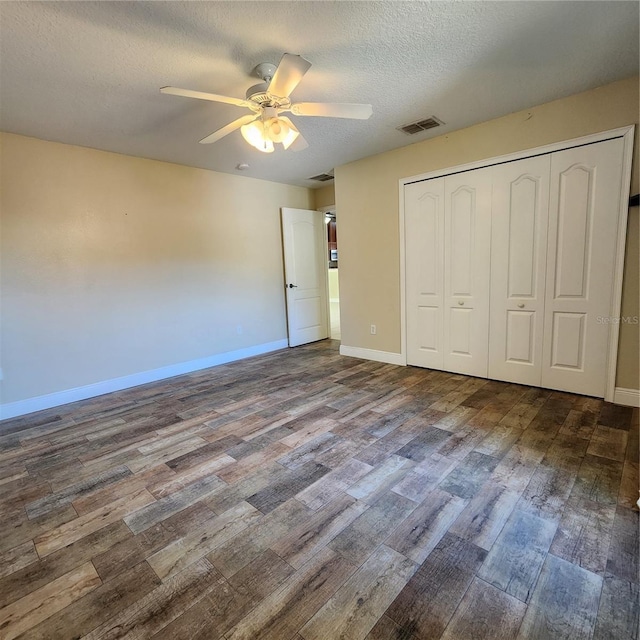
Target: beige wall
pixel 324 196
pixel 113 265
pixel 367 200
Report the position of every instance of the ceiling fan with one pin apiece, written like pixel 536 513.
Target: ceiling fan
pixel 267 100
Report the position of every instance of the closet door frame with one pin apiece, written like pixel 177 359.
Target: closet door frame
pixel 626 133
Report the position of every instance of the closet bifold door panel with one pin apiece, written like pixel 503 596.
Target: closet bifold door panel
pixel 424 259
pixel 583 227
pixel 467 245
pixel 519 217
pixel 513 270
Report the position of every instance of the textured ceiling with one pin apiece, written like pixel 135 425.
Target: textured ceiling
pixel 88 73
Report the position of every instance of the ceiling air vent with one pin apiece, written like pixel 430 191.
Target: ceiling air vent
pixel 322 177
pixel 420 125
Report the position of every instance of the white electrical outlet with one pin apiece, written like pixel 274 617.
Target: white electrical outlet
pixel 239 329
pixel 373 329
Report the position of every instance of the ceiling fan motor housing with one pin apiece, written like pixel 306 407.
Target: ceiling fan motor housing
pixel 258 93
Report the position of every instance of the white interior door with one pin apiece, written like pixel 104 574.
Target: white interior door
pixel 583 227
pixel 424 260
pixel 519 220
pixel 467 246
pixel 305 265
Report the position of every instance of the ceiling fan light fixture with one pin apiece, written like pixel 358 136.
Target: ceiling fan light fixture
pixel 267 100
pixel 292 135
pixel 278 130
pixel 266 146
pixel 254 134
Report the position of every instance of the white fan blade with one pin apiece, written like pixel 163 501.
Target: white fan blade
pixel 232 126
pixel 332 110
pixel 288 75
pixel 299 143
pixel 212 97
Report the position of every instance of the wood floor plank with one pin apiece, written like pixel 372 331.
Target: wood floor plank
pixel 180 480
pixel 17 558
pixel 622 560
pixel 202 540
pixel 483 518
pixel 386 629
pixel 613 415
pixel 608 442
pixel 211 617
pixel 126 486
pixel 515 560
pixel 564 603
pixel 64 534
pixel 245 547
pixel 164 455
pixel 418 482
pixel 584 533
pixel 547 492
pixel 161 606
pixel 205 453
pixel 291 483
pixel 580 424
pixel 486 612
pixel 421 531
pixel 357 541
pixel 286 610
pixel 226 496
pixel 252 463
pixel 516 468
pixel 380 479
pixel 27 612
pixel 330 486
pixel 355 607
pixel 37 574
pixel 469 476
pixel 132 550
pixel 619 612
pixel 262 576
pixel 292 496
pixel 69 494
pixel 427 602
pixel 157 510
pixel 303 542
pixel 15 531
pixel 424 444
pixel 86 613
pixel 629 492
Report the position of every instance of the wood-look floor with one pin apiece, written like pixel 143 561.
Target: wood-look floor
pixel 303 495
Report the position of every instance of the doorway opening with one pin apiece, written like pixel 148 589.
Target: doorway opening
pixel 334 286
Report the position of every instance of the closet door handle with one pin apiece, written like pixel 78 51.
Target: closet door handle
pixel 460 302
pixel 520 305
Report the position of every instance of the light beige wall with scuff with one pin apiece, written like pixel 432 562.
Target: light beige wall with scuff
pixel 113 265
pixel 324 196
pixel 367 200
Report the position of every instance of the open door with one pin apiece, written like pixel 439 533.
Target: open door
pixel 305 266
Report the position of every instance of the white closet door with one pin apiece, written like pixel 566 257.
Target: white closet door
pixel 424 256
pixel 467 245
pixel 583 224
pixel 518 263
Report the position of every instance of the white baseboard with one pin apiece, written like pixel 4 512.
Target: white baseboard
pixel 372 354
pixel 627 397
pixel 22 407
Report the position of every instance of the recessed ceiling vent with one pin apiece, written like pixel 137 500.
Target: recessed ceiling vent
pixel 421 125
pixel 322 177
